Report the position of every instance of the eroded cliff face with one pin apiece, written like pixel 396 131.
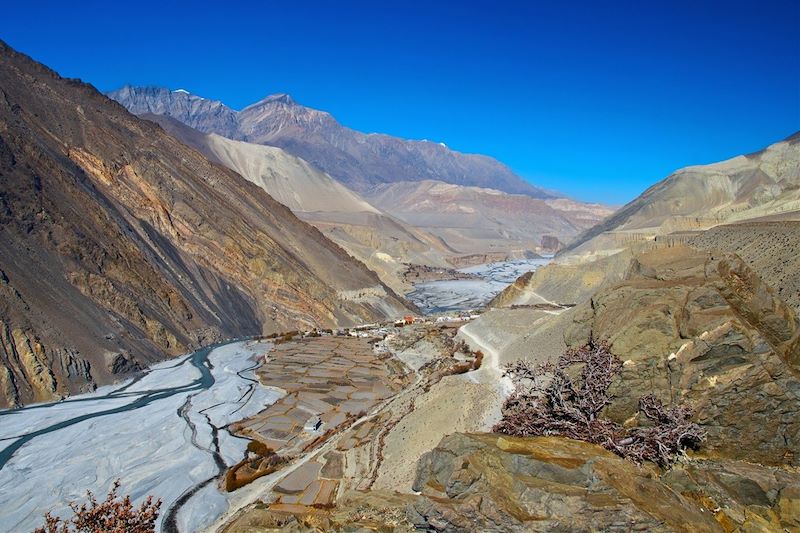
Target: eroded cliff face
pixel 768 247
pixel 703 329
pixel 119 245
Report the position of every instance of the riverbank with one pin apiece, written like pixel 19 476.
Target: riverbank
pixel 168 431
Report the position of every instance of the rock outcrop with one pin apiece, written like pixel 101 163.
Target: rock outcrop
pixel 489 482
pixel 703 330
pixel 117 239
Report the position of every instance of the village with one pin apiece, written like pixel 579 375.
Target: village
pixel 346 392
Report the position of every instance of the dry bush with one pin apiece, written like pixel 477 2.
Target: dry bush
pixel 566 398
pixel 462 367
pixel 113 515
pixel 476 364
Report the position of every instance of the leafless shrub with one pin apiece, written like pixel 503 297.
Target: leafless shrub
pixel 550 399
pixel 113 515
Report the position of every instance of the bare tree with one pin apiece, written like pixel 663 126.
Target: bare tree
pixel 113 515
pixel 566 398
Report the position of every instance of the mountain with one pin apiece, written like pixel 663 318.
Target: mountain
pixel 441 203
pixel 289 179
pixel 209 116
pixel 429 222
pixel 747 187
pixel 748 205
pixel 358 160
pixel 120 245
pixel 476 220
pixel 373 237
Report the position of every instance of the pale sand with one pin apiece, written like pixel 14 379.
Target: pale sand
pixel 454 404
pixel 465 403
pixel 524 333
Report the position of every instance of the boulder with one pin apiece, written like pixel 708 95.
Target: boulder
pixel 744 496
pixel 491 482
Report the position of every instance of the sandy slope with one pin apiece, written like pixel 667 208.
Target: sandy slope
pixel 289 179
pixel 699 197
pixel 454 404
pixel 518 333
pixel 478 220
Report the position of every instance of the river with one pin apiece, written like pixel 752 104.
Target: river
pixel 162 433
pixel 464 294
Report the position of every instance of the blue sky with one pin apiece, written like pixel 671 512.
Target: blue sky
pixel 595 99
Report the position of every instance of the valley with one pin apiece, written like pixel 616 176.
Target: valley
pixel 190 421
pixel 191 418
pixel 264 314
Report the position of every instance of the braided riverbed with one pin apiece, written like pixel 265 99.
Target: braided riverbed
pixel 161 433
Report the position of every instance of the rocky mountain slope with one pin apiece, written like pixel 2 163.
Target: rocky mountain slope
pixel 356 159
pixel 120 245
pixel 702 316
pixel 482 220
pixel 692 327
pixel 426 188
pixel 765 183
pixel 379 241
pixel 749 204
